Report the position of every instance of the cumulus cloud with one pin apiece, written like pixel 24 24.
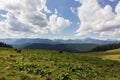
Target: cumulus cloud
pixel 98 20
pixel 28 18
pixel 22 18
pixel 57 23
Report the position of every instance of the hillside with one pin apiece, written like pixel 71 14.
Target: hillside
pixel 106 47
pixel 63 47
pixel 51 65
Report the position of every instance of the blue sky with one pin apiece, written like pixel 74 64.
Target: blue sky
pixel 63 8
pixel 60 19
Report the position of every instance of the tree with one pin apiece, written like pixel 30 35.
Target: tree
pixel 106 47
pixel 5 45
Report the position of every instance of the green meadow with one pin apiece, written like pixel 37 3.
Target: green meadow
pixel 51 65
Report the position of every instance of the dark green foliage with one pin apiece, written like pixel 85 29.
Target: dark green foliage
pixel 63 76
pixel 5 45
pixel 63 47
pixel 106 47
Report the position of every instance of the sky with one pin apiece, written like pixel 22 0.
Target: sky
pixel 60 19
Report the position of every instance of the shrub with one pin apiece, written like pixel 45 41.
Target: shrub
pixel 63 76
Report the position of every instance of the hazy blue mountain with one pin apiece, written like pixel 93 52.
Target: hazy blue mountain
pixel 87 40
pixel 8 40
pixel 20 43
pixel 23 41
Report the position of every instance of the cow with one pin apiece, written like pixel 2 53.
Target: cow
pixel 60 51
pixel 18 50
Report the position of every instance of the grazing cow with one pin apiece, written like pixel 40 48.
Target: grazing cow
pixel 18 50
pixel 60 51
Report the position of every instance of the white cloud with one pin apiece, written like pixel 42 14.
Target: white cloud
pixel 95 19
pixel 24 19
pixel 56 12
pixel 73 10
pixel 24 5
pixel 28 18
pixel 57 23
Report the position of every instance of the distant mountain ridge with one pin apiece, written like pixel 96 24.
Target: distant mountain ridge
pixel 76 45
pixel 57 41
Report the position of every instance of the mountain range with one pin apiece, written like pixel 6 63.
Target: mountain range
pixel 56 41
pixel 70 45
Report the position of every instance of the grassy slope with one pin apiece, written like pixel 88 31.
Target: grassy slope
pixel 43 64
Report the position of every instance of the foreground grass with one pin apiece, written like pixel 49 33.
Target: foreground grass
pixel 45 64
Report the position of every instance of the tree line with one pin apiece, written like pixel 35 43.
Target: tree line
pixel 106 47
pixel 2 44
